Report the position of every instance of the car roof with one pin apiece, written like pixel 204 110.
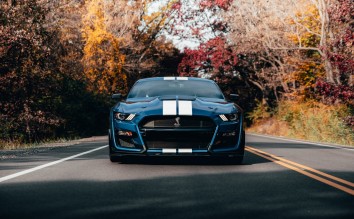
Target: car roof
pixel 171 78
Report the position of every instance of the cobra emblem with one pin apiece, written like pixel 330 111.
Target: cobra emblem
pixel 177 124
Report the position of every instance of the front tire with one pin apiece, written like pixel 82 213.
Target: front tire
pixel 239 159
pixel 112 158
pixel 115 159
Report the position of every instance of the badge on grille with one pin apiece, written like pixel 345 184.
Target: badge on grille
pixel 177 124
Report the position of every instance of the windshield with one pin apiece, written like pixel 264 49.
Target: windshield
pixel 194 88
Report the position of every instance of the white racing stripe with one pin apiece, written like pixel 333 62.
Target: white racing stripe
pixel 169 108
pixel 182 78
pixel 169 150
pixel 169 78
pixel 185 108
pixel 185 150
pixel 175 78
pixel 2 179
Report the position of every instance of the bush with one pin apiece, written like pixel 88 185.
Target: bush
pixel 312 121
pixel 260 113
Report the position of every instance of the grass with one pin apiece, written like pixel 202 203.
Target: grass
pixel 16 145
pixel 310 121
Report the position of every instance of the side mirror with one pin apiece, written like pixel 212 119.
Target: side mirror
pixel 234 97
pixel 117 96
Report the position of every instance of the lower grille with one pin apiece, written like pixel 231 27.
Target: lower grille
pixel 178 139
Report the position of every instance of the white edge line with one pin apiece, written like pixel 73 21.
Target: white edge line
pixel 2 179
pixel 304 142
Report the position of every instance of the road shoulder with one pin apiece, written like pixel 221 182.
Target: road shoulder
pixel 44 147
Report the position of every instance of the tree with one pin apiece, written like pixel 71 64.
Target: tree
pixel 140 32
pixel 256 27
pixel 216 59
pixel 43 93
pixel 340 53
pixel 212 59
pixel 28 73
pixel 197 21
pixel 340 47
pixel 288 37
pixel 102 59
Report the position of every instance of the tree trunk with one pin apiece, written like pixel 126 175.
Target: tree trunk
pixel 325 33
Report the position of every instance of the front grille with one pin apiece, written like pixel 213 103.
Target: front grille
pixel 177 122
pixel 177 132
pixel 175 139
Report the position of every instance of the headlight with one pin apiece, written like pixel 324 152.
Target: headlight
pixel 229 117
pixel 124 116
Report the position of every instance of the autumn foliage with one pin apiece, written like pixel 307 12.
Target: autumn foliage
pixel 213 59
pixel 28 78
pixel 102 59
pixel 61 60
pixel 210 58
pixel 341 54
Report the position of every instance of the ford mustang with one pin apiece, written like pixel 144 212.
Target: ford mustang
pixel 176 116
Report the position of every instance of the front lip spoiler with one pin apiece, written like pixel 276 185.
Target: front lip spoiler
pixel 177 155
pixel 177 152
pixel 177 129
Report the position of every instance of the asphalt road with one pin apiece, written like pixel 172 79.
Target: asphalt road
pixel 279 179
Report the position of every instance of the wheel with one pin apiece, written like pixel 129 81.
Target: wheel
pixel 237 160
pixel 115 159
pixel 112 158
pixel 243 140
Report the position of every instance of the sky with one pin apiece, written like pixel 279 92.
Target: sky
pixel 188 41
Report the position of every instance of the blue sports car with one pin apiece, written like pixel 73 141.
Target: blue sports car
pixel 176 116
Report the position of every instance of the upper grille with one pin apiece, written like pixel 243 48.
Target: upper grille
pixel 177 131
pixel 177 122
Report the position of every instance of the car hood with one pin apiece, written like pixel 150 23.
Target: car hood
pixel 176 105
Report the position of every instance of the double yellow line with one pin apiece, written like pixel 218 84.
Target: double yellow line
pixel 330 180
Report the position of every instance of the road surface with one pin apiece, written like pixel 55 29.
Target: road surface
pixel 278 179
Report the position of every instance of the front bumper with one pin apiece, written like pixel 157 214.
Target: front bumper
pixel 223 139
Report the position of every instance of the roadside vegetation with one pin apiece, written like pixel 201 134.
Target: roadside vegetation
pixel 312 120
pixel 292 62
